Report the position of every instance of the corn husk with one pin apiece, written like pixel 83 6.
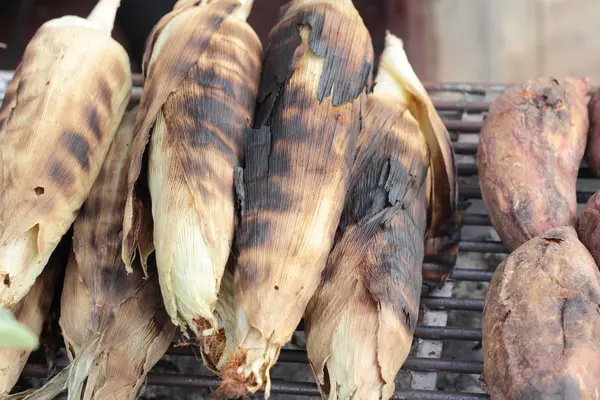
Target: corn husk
pixel 57 121
pixel 316 73
pixel 114 323
pixel 31 312
pixel 443 232
pixel 359 324
pixel 202 68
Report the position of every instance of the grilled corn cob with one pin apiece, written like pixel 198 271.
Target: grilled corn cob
pixel 114 323
pixel 316 74
pixel 57 121
pixel 32 311
pixel 360 322
pixel 443 231
pixel 203 70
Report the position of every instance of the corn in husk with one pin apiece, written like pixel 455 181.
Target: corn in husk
pixel 360 322
pixel 57 121
pixel 114 323
pixel 444 213
pixel 32 311
pixel 202 67
pixel 316 74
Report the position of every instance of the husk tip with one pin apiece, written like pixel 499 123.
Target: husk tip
pixel 102 16
pixel 392 40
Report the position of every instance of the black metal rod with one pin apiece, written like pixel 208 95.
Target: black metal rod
pixel 435 365
pixel 277 386
pixel 448 333
pixel 460 274
pixel 440 303
pixel 463 126
pixel 482 247
pixel 465 148
pixel 412 363
pixel 476 219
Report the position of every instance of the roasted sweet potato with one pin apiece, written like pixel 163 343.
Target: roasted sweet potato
pixel 530 149
pixel 592 150
pixel 589 226
pixel 541 326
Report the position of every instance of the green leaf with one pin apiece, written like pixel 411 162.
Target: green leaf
pixel 14 334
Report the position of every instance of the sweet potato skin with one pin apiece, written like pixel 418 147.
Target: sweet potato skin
pixel 592 150
pixel 541 323
pixel 532 143
pixel 589 226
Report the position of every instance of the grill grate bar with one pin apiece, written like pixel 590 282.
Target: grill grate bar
pixel 476 219
pixel 277 386
pixel 462 274
pixel 483 247
pixel 453 304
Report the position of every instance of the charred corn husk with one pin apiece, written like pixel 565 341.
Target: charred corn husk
pixel 316 74
pixel 32 311
pixel 114 322
pixel 360 322
pixel 202 69
pixel 57 121
pixel 443 232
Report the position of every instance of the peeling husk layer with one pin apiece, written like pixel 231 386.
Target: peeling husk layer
pixel 59 115
pixel 528 157
pixel 114 323
pixel 202 68
pixel 541 323
pixel 32 311
pixel 360 322
pixel 316 73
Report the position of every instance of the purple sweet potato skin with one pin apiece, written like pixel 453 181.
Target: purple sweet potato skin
pixel 589 226
pixel 530 149
pixel 541 325
pixel 592 151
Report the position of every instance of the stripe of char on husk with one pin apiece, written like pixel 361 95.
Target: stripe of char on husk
pixel 113 322
pixel 202 72
pixel 359 324
pixel 61 111
pixel 316 74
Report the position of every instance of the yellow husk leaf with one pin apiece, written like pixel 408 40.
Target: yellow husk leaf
pixel 58 118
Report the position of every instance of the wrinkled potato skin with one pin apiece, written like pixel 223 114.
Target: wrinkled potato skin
pixel 589 226
pixel 592 151
pixel 530 150
pixel 541 323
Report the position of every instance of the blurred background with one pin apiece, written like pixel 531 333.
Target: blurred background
pixel 446 40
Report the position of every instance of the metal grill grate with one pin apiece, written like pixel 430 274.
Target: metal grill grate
pixel 463 108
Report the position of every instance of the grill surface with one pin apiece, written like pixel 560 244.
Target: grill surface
pixel 463 107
